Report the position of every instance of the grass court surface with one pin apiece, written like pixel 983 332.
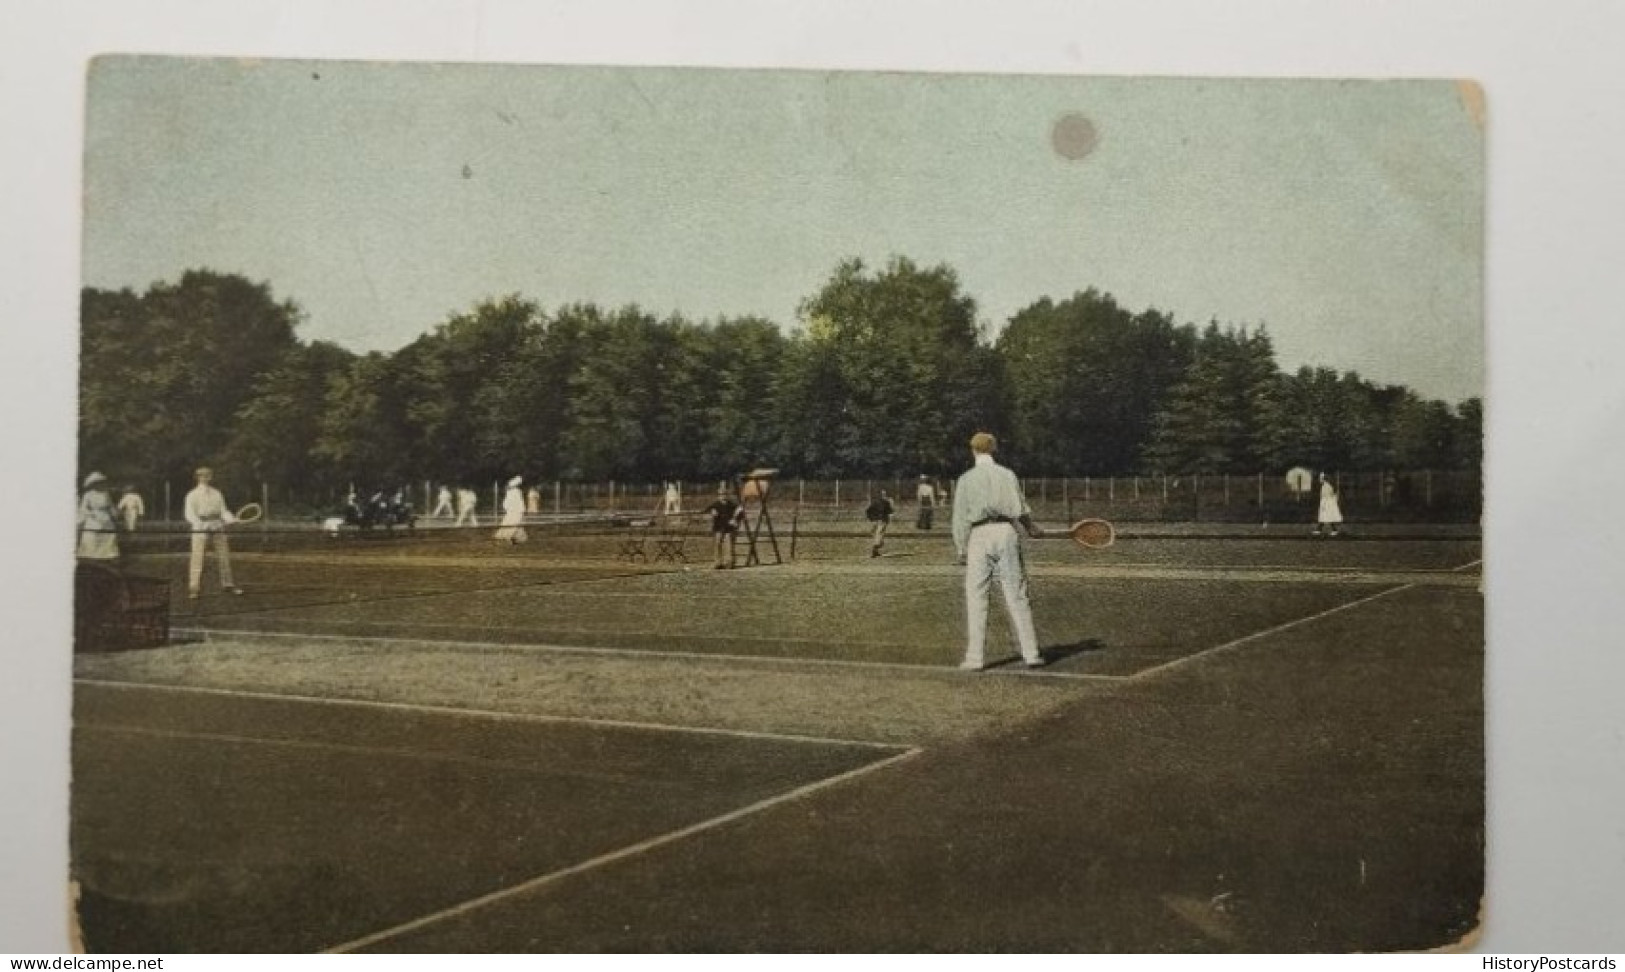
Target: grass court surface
pixel 1243 743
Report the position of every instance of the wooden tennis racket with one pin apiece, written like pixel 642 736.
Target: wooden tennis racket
pixel 248 514
pixel 1092 533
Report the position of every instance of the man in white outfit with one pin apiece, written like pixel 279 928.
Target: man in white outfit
pixel 207 513
pixel 988 504
pixel 442 505
pixel 467 501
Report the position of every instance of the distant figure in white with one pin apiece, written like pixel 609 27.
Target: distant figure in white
pixel 533 500
pixel 926 495
pixel 1330 517
pixel 98 531
pixel 442 503
pixel 131 508
pixel 207 513
pixel 513 514
pixel 467 501
pixel 674 499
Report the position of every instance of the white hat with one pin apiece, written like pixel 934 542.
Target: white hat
pixel 93 479
pixel 516 481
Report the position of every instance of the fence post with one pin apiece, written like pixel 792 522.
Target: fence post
pixel 837 498
pixel 1260 491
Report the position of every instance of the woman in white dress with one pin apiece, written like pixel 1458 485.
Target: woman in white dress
pixel 98 528
pixel 513 514
pixel 1331 514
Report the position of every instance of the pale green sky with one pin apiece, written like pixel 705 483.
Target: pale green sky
pixel 1346 216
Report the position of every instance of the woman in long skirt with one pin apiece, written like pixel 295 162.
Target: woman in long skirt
pixel 98 528
pixel 513 514
pixel 1330 516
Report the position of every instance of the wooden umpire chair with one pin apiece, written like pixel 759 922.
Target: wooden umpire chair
pixel 115 611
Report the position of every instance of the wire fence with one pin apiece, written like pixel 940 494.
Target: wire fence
pixel 1397 496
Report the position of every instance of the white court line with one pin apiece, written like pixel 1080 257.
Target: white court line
pixel 613 856
pixel 423 756
pixel 1155 669
pixel 946 669
pixel 486 714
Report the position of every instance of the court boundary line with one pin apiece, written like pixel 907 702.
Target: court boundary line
pixel 946 669
pixel 494 714
pixel 631 850
pixel 1285 626
pixel 349 749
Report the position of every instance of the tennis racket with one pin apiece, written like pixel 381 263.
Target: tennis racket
pixel 249 513
pixel 1094 534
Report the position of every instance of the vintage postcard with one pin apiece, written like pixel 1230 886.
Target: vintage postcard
pixel 584 509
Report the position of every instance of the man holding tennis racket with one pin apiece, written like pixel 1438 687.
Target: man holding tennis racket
pixel 206 511
pixel 988 504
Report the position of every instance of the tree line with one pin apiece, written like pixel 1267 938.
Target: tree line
pixel 885 373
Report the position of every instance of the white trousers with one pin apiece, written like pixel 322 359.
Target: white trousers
pixel 994 550
pixel 222 553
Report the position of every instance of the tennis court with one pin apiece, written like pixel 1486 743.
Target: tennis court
pixel 440 743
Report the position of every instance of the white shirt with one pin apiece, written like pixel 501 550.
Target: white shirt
pixel 206 508
pixel 986 490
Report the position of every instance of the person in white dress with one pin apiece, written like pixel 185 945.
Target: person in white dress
pixel 513 514
pixel 1330 516
pixel 98 529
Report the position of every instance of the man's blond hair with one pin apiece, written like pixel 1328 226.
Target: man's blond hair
pixel 984 443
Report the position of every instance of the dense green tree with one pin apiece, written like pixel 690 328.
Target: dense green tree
pixel 904 346
pixel 274 430
pixel 163 374
pixel 363 434
pixel 1086 378
pixel 1222 415
pixel 445 378
pixel 887 373
pixel 739 385
pixel 1467 445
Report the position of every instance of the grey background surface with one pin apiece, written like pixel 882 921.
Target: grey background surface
pixel 1555 404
